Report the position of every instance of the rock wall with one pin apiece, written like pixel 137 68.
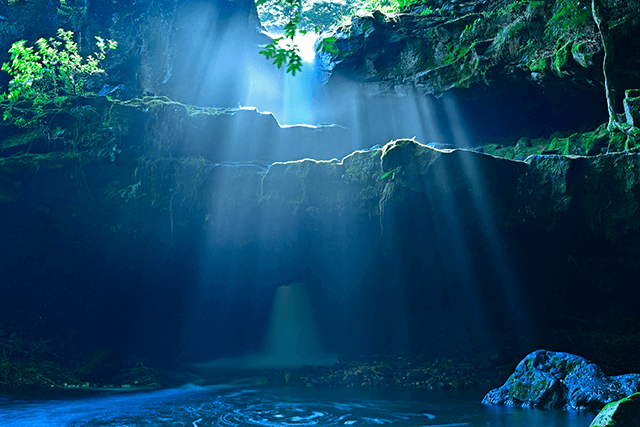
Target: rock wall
pixel 162 44
pixel 182 220
pixel 405 246
pixel 514 68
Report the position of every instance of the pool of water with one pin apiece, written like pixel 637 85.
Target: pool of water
pixel 195 406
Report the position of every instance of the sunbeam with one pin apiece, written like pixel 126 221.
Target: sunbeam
pixel 496 248
pixel 212 220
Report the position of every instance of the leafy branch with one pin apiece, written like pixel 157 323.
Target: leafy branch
pixel 283 50
pixel 47 74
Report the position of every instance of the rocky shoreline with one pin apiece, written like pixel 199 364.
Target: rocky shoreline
pixel 397 372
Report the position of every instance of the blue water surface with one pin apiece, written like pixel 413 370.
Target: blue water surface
pixel 195 406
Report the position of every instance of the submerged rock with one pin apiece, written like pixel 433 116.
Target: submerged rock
pixel 549 379
pixel 622 413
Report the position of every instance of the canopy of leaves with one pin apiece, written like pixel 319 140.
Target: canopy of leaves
pixel 283 50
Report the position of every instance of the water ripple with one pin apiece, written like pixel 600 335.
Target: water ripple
pixel 215 407
pixel 269 413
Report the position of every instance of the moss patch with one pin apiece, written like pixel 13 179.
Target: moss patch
pixel 599 141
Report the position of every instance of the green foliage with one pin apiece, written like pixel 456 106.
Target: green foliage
pixel 52 68
pixel 569 17
pixel 44 76
pixel 514 7
pixel 73 12
pixel 471 30
pixel 328 46
pixel 323 15
pixel 533 26
pixel 390 6
pixel 314 15
pixel 427 11
pixel 468 38
pixel 283 50
pixel 46 95
pixel 509 40
pixel 392 173
pixel 563 53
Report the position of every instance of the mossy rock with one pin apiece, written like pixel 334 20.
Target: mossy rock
pixel 561 380
pixel 621 413
pixel 599 141
pixel 561 59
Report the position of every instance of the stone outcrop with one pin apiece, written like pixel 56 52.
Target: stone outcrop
pixel 403 210
pixel 236 174
pixel 537 64
pixel 240 134
pixel 541 188
pixel 179 130
pixel 632 107
pixel 439 45
pixel 546 379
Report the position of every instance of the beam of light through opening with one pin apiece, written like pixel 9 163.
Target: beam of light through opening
pixel 496 246
pixel 465 291
pixel 301 91
pixel 292 339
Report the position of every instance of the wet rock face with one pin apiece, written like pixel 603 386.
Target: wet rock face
pixel 457 44
pixel 234 134
pixel 411 214
pixel 548 379
pixel 529 65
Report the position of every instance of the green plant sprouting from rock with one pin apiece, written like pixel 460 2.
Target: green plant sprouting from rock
pixel 47 74
pixel 47 99
pixel 425 7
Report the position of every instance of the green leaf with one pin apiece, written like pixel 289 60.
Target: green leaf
pixel 48 72
pixel 392 173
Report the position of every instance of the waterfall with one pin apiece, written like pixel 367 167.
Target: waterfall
pixel 301 92
pixel 292 339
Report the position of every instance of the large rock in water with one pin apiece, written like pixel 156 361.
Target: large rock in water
pixel 622 413
pixel 548 379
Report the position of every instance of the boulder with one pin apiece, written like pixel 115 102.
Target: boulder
pixel 621 413
pixel 547 379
